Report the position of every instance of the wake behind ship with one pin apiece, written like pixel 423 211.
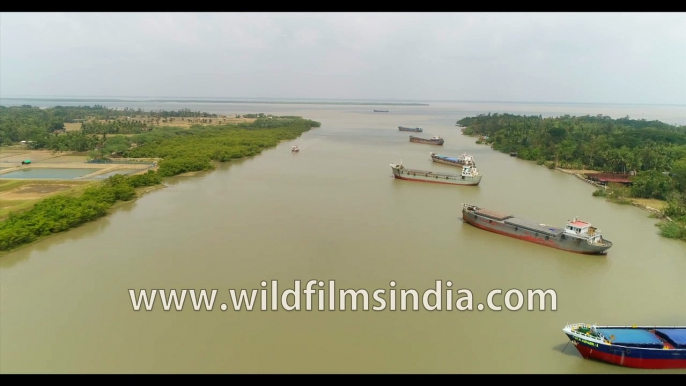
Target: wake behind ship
pixel 577 236
pixel 636 346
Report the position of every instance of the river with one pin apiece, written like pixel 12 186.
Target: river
pixel 334 212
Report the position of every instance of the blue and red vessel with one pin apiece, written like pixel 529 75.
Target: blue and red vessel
pixel 643 347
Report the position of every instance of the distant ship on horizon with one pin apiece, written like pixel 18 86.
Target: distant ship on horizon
pixel 380 111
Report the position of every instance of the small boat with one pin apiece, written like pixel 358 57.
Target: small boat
pixel 643 347
pixel 470 176
pixel 415 129
pixel 380 111
pixel 513 154
pixel 577 236
pixel 435 140
pixel 295 149
pixel 463 160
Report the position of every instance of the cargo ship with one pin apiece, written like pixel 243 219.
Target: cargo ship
pixel 577 236
pixel 415 129
pixel 469 176
pixel 380 111
pixel 643 347
pixel 461 161
pixel 435 140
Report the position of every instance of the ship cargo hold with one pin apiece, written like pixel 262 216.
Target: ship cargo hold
pixel 643 347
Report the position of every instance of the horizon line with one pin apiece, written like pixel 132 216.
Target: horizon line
pixel 117 98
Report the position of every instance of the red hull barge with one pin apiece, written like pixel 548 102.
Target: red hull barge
pixel 642 347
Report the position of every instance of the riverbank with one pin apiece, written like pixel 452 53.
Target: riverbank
pixel 140 192
pixel 651 156
pixel 619 194
pixel 51 173
pixel 649 204
pixel 183 152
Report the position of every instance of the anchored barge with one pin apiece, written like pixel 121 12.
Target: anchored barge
pixel 470 176
pixel 415 129
pixel 577 236
pixel 643 347
pixel 435 140
pixel 461 161
pixel 380 111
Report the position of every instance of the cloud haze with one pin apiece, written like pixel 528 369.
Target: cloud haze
pixel 555 57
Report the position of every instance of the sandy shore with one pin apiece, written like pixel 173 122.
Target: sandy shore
pixel 649 204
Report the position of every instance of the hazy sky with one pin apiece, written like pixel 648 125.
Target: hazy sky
pixel 548 57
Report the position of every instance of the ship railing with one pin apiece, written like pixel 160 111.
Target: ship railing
pixel 599 242
pixel 592 333
pixel 575 326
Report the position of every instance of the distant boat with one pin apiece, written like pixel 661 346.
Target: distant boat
pixel 643 347
pixel 415 129
pixel 470 176
pixel 295 149
pixel 380 111
pixel 577 236
pixel 461 161
pixel 513 154
pixel 435 140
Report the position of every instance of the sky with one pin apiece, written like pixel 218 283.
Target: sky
pixel 516 57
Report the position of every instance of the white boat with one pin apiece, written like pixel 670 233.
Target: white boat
pixel 295 149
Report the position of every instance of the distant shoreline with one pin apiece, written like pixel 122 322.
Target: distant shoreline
pixel 317 101
pixel 243 101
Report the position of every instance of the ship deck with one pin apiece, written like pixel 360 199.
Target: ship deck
pixel 445 158
pixel 494 215
pixel 677 337
pixel 425 173
pixel 632 337
pixel 545 229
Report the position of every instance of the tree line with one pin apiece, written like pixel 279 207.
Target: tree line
pixel 42 127
pixel 653 152
pixel 181 150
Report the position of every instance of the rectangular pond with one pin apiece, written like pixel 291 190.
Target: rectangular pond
pixel 58 174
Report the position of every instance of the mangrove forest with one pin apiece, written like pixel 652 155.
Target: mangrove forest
pixel 179 150
pixel 653 153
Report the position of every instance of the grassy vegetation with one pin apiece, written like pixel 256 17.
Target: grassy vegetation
pixel 181 151
pixel 18 203
pixel 83 128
